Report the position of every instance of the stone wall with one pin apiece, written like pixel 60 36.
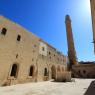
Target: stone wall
pixel 26 58
pixel 84 70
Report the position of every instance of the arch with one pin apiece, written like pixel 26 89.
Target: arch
pixel 14 70
pixel 58 69
pixel 63 69
pixel 31 71
pixel 45 72
pixel 53 72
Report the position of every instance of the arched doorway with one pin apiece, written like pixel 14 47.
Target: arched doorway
pixel 31 72
pixel 53 72
pixel 58 69
pixel 63 69
pixel 45 72
pixel 14 70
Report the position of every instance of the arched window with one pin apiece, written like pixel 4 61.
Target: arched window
pixel 49 52
pixel 18 38
pixel 45 72
pixel 3 32
pixel 14 70
pixel 31 71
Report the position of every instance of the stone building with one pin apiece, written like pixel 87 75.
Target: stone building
pixel 84 70
pixel 26 58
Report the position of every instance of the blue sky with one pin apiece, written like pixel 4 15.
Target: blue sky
pixel 46 19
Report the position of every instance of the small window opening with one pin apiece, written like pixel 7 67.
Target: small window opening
pixel 45 72
pixel 32 59
pixel 18 38
pixel 31 71
pixel 17 56
pixel 84 71
pixel 3 32
pixel 49 52
pixel 42 56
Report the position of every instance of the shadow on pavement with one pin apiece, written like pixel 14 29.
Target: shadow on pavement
pixel 91 89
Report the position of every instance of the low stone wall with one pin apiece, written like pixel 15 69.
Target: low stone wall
pixel 83 71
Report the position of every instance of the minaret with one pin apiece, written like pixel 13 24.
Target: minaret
pixel 92 3
pixel 70 41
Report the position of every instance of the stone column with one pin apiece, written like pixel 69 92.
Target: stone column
pixel 92 3
pixel 70 41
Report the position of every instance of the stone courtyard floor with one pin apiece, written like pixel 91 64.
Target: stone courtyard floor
pixel 48 88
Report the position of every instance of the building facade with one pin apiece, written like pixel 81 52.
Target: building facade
pixel 26 58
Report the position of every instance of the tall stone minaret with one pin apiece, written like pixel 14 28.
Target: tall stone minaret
pixel 92 3
pixel 70 41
